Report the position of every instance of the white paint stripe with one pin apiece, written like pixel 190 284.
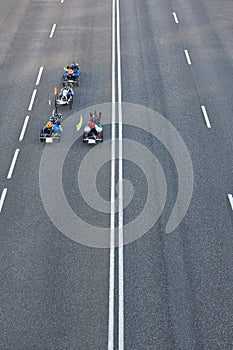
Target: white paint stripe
pixel 206 116
pixel 111 289
pixel 24 128
pixel 175 17
pixel 52 30
pixel 39 75
pixel 187 57
pixel 62 1
pixel 32 99
pixel 2 199
pixel 13 164
pixel 230 197
pixel 112 218
pixel 120 197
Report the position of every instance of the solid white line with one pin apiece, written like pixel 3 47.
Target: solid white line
pixel 62 1
pixel 10 172
pixel 120 197
pixel 24 128
pixel 32 99
pixel 39 75
pixel 230 197
pixel 206 117
pixel 187 57
pixel 2 199
pixel 112 217
pixel 52 30
pixel 175 17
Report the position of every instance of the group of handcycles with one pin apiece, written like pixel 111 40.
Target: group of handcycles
pixel 52 130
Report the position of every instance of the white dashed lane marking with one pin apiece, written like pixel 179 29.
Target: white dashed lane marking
pixel 24 128
pixel 2 199
pixel 175 17
pixel 230 197
pixel 206 117
pixel 32 99
pixel 10 172
pixel 52 30
pixel 187 57
pixel 39 75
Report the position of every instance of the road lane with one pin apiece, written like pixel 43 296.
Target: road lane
pixel 54 292
pixel 172 281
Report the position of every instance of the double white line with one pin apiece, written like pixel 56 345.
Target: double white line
pixel 116 81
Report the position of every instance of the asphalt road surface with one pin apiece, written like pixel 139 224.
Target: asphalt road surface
pixel 158 189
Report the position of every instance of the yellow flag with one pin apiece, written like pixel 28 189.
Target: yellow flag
pixel 79 125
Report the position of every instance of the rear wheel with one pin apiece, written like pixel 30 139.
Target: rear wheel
pixel 71 103
pixel 64 81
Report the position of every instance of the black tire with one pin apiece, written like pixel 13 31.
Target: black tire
pixel 71 103
pixel 64 81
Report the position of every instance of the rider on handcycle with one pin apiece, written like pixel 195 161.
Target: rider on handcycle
pixel 72 71
pixel 66 93
pixel 92 129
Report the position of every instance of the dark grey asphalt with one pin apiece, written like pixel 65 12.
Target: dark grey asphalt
pixel 178 287
pixel 54 293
